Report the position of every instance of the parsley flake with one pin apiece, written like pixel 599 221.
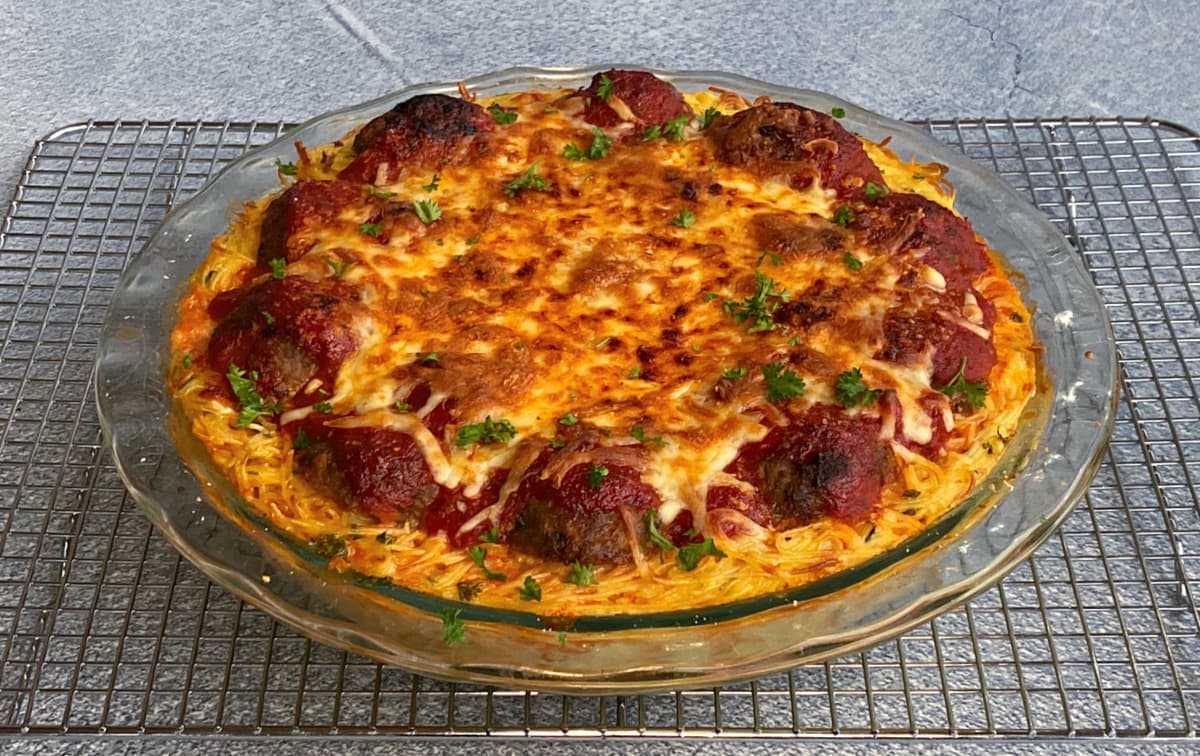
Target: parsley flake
pixel 843 216
pixel 962 391
pixel 782 383
pixel 430 357
pixel 556 443
pixel 688 557
pixel 287 169
pixel 323 407
pixel 581 574
pixel 502 116
pixel 684 218
pixel 244 388
pixel 370 229
pixel 453 629
pixel 635 372
pixel 838 112
pixel 268 317
pixel 402 406
pixel 329 545
pixel 852 262
pixel 650 133
pixel 339 268
pixel 568 419
pixel 427 211
pixel 850 390
pixel 432 186
pixel 874 191
pixel 187 361
pixel 471 241
pixel 656 537
pixel 596 476
pixel 530 591
pixel 492 536
pixel 385 538
pixel 598 148
pixel 673 129
pixel 639 433
pixel 708 116
pixel 378 193
pixel 562 639
pixel 768 255
pixel 605 88
pixel 301 440
pixel 488 432
pixel 527 180
pixel 468 590
pixel 758 308
pixel 478 554
pixel 734 373
pixel 278 267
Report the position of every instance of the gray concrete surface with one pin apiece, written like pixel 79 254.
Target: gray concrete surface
pixel 65 62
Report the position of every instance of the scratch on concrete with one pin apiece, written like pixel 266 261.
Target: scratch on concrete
pixel 1018 65
pixel 359 30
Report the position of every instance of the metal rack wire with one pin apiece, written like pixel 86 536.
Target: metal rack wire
pixel 103 629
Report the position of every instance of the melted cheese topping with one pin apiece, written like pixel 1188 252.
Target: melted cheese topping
pixel 601 298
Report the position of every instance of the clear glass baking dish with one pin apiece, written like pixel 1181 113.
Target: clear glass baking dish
pixel 1041 475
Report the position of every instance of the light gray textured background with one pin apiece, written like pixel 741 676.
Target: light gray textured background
pixel 65 62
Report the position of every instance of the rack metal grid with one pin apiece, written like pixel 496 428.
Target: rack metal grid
pixel 104 629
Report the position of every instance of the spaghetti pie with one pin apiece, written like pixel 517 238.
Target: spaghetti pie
pixel 614 350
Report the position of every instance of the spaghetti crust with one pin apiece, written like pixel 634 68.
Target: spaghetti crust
pixel 647 365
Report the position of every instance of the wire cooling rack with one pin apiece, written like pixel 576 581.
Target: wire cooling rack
pixel 103 629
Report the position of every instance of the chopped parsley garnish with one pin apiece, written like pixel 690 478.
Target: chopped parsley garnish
pixel 278 267
pixel 596 476
pixel 323 407
pixel 598 148
pixel 688 557
pixel 708 116
pixel 768 255
pixel 972 393
pixel 530 591
pixel 301 440
pixel 488 432
pixel 402 406
pixel 471 242
pixel 527 180
pixel 838 112
pixel 843 216
pixel 287 169
pixel 492 536
pixel 605 88
pixel 851 391
pixel 370 229
pixel 581 574
pixel 468 590
pixel 758 308
pixel 427 211
pixel 378 193
pixel 684 218
pixel 602 342
pixel 252 405
pixel 556 443
pixel 782 382
pixel 709 296
pixel 874 191
pixel 430 357
pixel 852 262
pixel 433 184
pixel 640 434
pixel 187 361
pixel 650 133
pixel 268 317
pixel 329 545
pixel 673 129
pixel 562 638
pixel 635 372
pixel 656 537
pixel 339 268
pixel 568 419
pixel 385 538
pixel 797 339
pixel 478 554
pixel 734 373
pixel 453 629
pixel 502 116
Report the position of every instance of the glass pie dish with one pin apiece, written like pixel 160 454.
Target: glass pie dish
pixel 1041 474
